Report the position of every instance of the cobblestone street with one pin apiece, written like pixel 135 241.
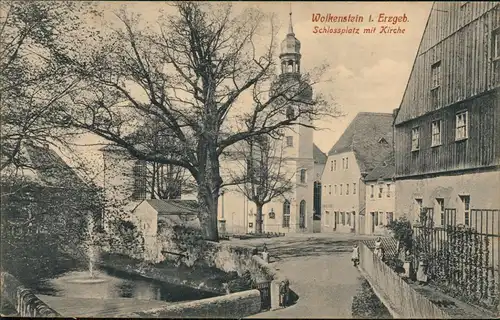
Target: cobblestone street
pixel 320 272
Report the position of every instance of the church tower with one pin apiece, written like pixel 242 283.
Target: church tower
pixel 295 212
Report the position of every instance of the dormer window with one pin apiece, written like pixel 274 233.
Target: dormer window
pixel 382 141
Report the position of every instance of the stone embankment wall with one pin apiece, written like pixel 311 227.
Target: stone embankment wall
pixel 24 300
pixel 401 300
pixel 235 306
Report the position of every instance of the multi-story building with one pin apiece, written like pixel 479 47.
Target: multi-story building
pixel 380 197
pixel 447 143
pixel 364 145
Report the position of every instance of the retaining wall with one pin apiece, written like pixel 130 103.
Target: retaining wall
pixel 24 300
pixel 235 306
pixel 401 299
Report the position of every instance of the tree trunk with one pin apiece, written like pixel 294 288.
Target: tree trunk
pixel 207 214
pixel 258 220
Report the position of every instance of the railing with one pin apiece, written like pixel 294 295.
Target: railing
pixel 401 300
pixel 461 259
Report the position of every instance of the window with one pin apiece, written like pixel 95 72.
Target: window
pixel 389 217
pixel 436 75
pixel 353 188
pixel 496 44
pixel 343 218
pixel 290 114
pixel 286 214
pixel 343 163
pixel 347 189
pixel 340 189
pixel 375 218
pixel 372 187
pixel 436 133
pixel 139 174
pixel 461 126
pixel 329 189
pixel 440 209
pixel 466 208
pixel 327 218
pixel 381 218
pixel 380 192
pixel 415 139
pixel 331 165
pixel 347 163
pixel 334 165
pixel 335 189
pixel 302 175
pixel 336 217
pixel 348 218
pixel 289 141
pixel 388 190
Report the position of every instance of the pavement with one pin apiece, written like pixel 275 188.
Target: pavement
pixel 320 273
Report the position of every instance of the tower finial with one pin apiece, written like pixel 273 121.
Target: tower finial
pixel 290 26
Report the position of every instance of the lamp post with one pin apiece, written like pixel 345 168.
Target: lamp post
pixel 222 221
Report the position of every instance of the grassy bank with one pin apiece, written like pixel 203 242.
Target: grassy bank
pixel 366 305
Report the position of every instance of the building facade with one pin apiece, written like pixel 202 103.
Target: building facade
pixel 380 197
pixel 447 142
pixel 364 145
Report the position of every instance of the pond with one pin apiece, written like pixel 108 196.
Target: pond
pixel 108 284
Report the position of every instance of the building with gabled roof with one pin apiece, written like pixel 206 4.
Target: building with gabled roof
pixel 363 146
pixel 447 139
pixel 46 191
pixel 380 196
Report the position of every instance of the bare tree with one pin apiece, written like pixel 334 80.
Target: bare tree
pixel 31 83
pixel 192 76
pixel 262 175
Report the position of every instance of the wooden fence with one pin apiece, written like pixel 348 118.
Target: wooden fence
pixel 463 258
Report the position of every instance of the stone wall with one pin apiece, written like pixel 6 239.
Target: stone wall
pixel 235 306
pixel 399 298
pixel 24 300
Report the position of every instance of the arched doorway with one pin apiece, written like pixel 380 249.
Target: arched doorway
pixel 302 214
pixel 317 212
pixel 286 214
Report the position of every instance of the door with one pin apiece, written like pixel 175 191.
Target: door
pixel 353 219
pixel 372 229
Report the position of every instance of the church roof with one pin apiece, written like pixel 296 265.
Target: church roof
pixel 364 136
pixel 318 155
pixel 174 207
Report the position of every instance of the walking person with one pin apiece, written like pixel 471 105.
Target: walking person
pixel 265 254
pixel 378 248
pixel 355 255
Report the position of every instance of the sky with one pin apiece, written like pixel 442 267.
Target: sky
pixel 368 71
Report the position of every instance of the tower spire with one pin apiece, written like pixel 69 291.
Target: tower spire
pixel 290 26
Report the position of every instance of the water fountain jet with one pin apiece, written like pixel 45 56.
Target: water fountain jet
pixel 91 276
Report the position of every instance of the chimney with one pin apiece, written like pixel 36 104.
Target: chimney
pixel 395 113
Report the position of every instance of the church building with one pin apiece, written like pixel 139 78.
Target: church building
pixel 296 211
